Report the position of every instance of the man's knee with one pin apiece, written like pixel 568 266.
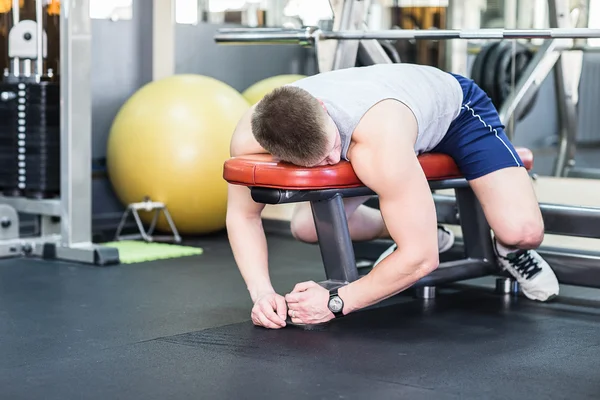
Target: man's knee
pixel 304 232
pixel 527 234
pixel 303 225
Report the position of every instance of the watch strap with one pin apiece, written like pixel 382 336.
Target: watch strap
pixel 334 293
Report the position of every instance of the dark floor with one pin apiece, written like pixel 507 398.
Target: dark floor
pixel 180 329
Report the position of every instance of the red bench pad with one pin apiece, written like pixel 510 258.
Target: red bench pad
pixel 264 171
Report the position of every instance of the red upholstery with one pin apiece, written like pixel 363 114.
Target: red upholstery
pixel 262 170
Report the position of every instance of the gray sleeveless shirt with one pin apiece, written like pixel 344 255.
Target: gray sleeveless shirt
pixel 434 97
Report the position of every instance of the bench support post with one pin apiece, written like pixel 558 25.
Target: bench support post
pixel 475 229
pixel 335 243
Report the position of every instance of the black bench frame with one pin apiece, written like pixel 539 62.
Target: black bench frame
pixel 337 249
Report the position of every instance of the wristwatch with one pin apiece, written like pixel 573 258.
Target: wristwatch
pixel 335 304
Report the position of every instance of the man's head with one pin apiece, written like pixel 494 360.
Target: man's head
pixel 294 126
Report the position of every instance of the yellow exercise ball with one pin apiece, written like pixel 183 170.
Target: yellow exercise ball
pixel 169 142
pixel 258 90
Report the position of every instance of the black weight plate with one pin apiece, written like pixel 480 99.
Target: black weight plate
pixel 499 73
pixel 479 64
pixel 489 71
pixel 522 57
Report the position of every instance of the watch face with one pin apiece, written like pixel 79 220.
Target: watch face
pixel 335 304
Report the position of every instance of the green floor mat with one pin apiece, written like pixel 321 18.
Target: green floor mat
pixel 131 251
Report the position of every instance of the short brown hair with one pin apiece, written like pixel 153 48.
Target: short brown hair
pixel 289 123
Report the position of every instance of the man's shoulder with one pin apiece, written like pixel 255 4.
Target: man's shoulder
pixel 386 113
pixel 388 117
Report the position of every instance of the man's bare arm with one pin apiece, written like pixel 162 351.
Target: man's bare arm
pixel 247 237
pixel 244 223
pixel 247 240
pixel 387 164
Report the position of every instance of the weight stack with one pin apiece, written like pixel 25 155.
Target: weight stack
pixel 30 139
pixel 9 145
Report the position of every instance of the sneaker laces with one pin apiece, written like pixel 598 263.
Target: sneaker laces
pixel 524 263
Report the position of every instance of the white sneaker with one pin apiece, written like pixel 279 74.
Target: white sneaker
pixel 445 239
pixel 445 242
pixel 533 273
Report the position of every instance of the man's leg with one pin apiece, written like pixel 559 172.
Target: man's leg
pixel 512 211
pixel 364 223
pixel 488 160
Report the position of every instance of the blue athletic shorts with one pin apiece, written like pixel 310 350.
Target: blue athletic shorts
pixel 476 139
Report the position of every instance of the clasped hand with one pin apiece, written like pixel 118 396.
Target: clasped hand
pixel 306 304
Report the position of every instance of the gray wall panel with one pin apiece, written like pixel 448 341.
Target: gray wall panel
pixel 238 66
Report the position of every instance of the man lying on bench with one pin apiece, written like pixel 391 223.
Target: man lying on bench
pixel 379 118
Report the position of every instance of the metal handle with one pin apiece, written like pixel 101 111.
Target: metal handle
pixel 266 35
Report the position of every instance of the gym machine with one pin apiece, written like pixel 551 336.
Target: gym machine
pixel 331 54
pixel 46 132
pixel 564 57
pixel 574 267
pixel 334 54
